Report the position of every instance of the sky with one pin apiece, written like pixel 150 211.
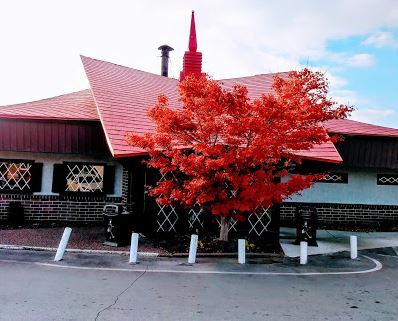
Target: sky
pixel 355 42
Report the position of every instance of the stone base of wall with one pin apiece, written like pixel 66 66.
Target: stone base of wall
pixel 58 208
pixel 353 215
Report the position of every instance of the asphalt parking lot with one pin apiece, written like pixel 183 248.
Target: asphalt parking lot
pixel 105 287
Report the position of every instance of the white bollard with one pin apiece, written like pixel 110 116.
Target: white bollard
pixel 303 252
pixel 63 244
pixel 134 248
pixel 354 247
pixel 192 249
pixel 241 251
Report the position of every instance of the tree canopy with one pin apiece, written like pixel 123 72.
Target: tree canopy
pixel 229 154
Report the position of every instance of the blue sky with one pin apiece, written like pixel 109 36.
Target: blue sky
pixel 372 80
pixel 355 42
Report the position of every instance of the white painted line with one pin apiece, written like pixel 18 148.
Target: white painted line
pixel 378 267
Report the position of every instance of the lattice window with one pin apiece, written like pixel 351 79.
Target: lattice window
pixel 387 179
pixel 15 176
pixel 84 178
pixel 260 220
pixel 339 178
pixel 167 216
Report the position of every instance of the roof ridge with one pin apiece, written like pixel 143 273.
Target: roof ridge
pixel 263 74
pixel 363 123
pixel 123 66
pixel 370 124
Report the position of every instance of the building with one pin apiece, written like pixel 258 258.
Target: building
pixel 64 158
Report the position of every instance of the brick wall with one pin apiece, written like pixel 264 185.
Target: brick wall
pixel 58 208
pixel 334 215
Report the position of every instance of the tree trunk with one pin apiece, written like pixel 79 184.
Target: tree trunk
pixel 224 228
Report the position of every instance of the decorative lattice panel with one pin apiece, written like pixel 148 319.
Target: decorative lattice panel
pixel 387 179
pixel 84 178
pixel 195 219
pixel 260 220
pixel 167 216
pixel 15 176
pixel 341 178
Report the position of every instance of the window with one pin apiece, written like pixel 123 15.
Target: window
pixel 387 179
pixel 83 178
pixel 20 176
pixel 332 177
pixel 15 176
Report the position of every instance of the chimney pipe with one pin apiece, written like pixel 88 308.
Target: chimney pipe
pixel 165 49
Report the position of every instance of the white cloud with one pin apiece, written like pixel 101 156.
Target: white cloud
pixel 42 39
pixel 345 96
pixel 361 60
pixel 365 110
pixel 373 115
pixel 381 40
pixel 335 81
pixel 346 59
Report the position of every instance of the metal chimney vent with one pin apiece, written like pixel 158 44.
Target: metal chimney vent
pixel 165 49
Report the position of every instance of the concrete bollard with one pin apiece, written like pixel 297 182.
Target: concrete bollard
pixel 63 244
pixel 241 251
pixel 303 252
pixel 192 249
pixel 134 248
pixel 354 247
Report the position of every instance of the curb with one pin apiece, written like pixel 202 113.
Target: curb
pixel 53 249
pixel 227 255
pixel 142 254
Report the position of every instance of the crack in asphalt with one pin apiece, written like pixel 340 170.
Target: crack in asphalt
pixel 121 293
pixel 331 234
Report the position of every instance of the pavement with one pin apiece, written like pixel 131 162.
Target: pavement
pixel 97 287
pixel 332 241
pixel 102 286
pixel 272 265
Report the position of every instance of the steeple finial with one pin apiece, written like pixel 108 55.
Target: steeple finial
pixel 193 45
pixel 192 62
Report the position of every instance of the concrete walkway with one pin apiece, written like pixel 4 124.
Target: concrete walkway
pixel 331 241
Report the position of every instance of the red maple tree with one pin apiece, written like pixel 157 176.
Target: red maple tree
pixel 229 154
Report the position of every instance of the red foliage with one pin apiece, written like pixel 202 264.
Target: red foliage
pixel 229 154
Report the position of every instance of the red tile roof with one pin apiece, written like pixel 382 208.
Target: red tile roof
pixel 256 85
pixel 73 106
pixel 352 127
pixel 123 97
pixel 120 98
pixel 326 152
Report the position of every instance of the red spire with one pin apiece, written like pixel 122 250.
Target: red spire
pixel 193 45
pixel 192 64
